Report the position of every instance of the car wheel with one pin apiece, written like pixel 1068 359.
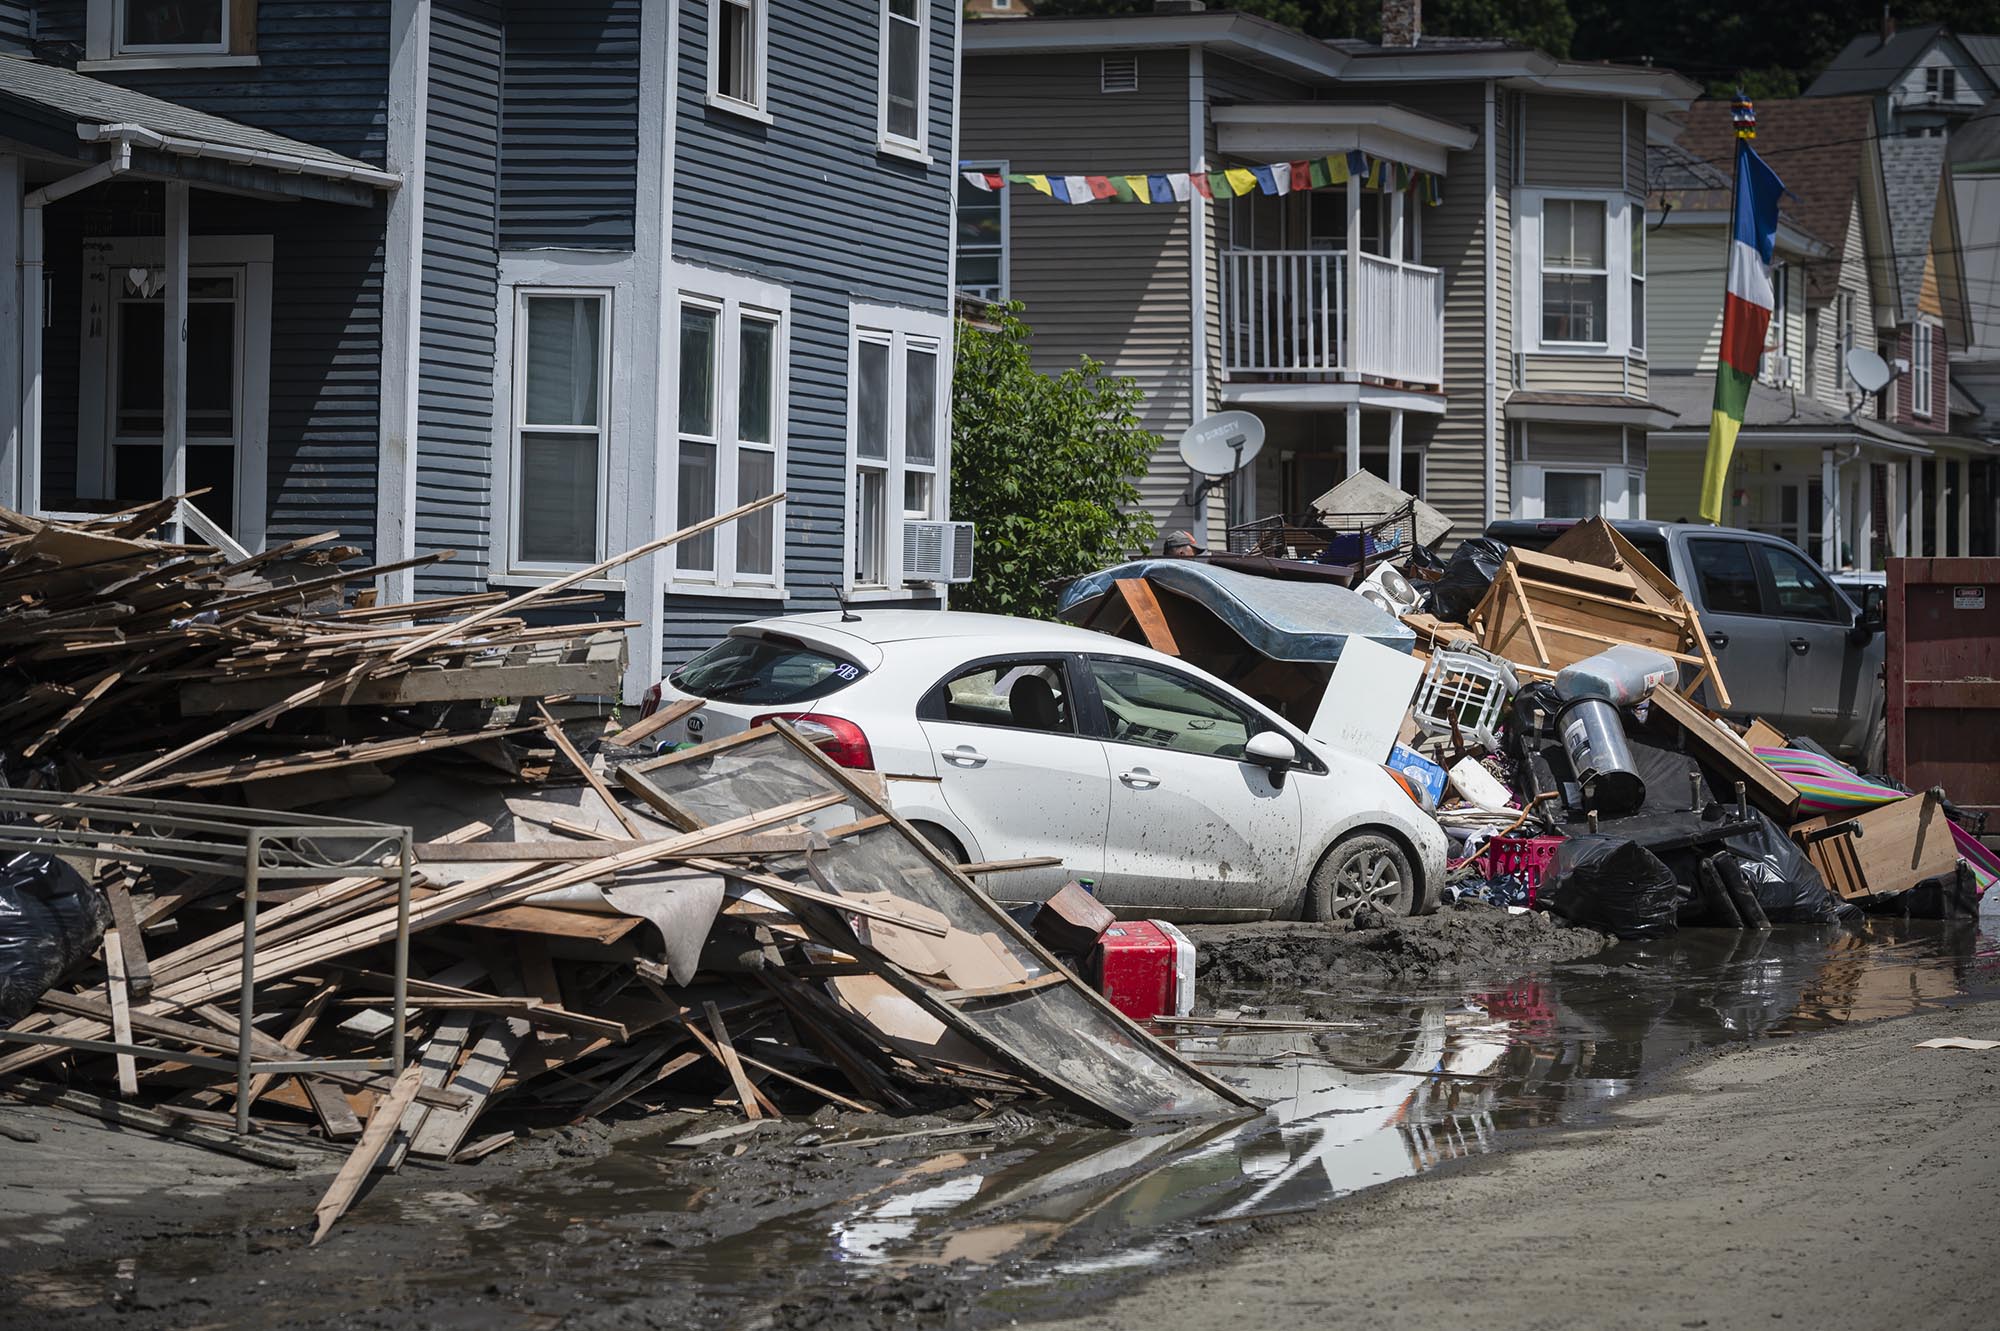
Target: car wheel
pixel 1365 868
pixel 946 843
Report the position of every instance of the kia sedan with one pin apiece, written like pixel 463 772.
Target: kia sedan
pixel 1006 738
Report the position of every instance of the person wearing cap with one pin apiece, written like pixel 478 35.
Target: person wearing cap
pixel 1180 545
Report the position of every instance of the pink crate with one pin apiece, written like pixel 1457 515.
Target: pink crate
pixel 1528 856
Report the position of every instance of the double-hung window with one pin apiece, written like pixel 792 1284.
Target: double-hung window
pixel 897 454
pixel 1638 230
pixel 1575 273
pixel 731 443
pixel 562 374
pixel 905 91
pixel 171 32
pixel 1920 369
pixel 736 54
pixel 982 236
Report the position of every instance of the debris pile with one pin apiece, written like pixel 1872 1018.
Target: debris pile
pixel 741 923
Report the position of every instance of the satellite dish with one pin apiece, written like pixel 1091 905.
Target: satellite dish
pixel 1869 371
pixel 1222 443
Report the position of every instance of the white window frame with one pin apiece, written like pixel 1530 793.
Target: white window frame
pixel 756 107
pixel 1006 222
pixel 732 297
pixel 902 330
pixel 1923 353
pixel 1622 487
pixel 105 47
pixel 1635 281
pixel 917 148
pixel 517 385
pixel 104 262
pixel 1622 212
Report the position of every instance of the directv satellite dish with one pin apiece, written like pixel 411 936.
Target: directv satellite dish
pixel 1869 371
pixel 1221 444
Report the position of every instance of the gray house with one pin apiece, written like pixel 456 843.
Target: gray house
pixel 526 282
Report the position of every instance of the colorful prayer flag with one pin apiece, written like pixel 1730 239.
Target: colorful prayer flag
pixel 1101 187
pixel 1198 181
pixel 1746 314
pixel 1040 183
pixel 1239 180
pixel 1302 175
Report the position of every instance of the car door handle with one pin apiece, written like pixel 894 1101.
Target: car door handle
pixel 1718 640
pixel 1139 779
pixel 963 756
pixel 1800 646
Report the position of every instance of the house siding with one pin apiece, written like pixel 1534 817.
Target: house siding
pixel 809 203
pixel 569 126
pixel 1904 413
pixel 1111 283
pixel 459 298
pixel 1573 374
pixel 1574 143
pixel 17 26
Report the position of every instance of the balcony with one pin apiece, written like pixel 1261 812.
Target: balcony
pixel 1285 319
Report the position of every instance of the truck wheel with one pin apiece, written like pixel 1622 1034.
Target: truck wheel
pixel 1363 868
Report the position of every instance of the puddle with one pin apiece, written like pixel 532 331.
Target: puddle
pixel 1418 1079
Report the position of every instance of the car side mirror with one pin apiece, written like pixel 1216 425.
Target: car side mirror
pixel 1273 752
pixel 1867 624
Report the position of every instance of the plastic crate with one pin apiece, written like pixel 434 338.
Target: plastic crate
pixel 1527 856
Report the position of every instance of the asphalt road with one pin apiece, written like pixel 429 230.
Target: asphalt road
pixel 1845 1180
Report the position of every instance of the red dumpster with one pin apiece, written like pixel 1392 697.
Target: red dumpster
pixel 1942 675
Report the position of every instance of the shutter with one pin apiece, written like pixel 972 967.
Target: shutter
pixel 1119 73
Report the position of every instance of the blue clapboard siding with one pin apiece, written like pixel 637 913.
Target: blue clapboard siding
pixel 60 21
pixel 17 26
pixel 569 128
pixel 460 293
pixel 807 201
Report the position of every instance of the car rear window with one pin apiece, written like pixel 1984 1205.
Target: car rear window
pixel 764 670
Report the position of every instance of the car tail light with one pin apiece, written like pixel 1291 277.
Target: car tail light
pixel 650 703
pixel 839 739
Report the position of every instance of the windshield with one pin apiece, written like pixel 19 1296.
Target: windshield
pixel 764 670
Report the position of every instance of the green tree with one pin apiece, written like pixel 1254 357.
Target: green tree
pixel 1044 464
pixel 1542 23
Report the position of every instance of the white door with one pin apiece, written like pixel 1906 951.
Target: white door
pixel 1017 773
pixel 1192 824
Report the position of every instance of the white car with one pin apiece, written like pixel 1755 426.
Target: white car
pixel 1006 738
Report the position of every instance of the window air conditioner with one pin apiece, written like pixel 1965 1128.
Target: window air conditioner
pixel 937 551
pixel 1777 367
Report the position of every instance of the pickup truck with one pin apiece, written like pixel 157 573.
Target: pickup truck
pixel 1793 648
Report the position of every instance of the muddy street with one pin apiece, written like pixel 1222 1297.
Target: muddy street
pixel 1415 1055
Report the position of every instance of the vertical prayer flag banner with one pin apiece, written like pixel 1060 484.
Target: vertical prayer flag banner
pixel 1746 315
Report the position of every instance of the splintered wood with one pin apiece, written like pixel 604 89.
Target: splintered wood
pixel 825 954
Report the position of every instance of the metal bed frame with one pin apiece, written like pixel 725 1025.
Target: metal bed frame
pixel 255 845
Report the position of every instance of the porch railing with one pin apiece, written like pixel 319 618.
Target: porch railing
pixel 1284 316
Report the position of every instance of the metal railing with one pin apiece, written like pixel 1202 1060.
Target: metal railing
pixel 256 845
pixel 1284 315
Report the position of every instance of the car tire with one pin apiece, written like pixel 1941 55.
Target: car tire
pixel 1362 867
pixel 946 843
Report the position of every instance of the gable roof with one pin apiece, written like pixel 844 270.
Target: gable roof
pixel 1912 169
pixel 1975 145
pixel 1818 147
pixel 1868 64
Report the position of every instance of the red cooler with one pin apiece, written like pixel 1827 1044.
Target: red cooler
pixel 1146 969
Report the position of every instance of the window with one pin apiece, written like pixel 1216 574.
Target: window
pixel 905 90
pixel 1844 336
pixel 896 454
pixel 1161 709
pixel 562 374
pixel 1118 73
pixel 736 54
pixel 1801 591
pixel 1728 581
pixel 1021 695
pixel 1941 82
pixel 1574 272
pixel 1920 369
pixel 730 447
pixel 1572 494
pixel 764 670
pixel 1638 230
pixel 148 26
pixel 982 237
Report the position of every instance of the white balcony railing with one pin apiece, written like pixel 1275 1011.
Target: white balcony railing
pixel 1284 316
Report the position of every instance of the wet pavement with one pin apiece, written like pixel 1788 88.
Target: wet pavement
pixel 1017 1222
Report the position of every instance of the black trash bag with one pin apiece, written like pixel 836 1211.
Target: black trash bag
pixel 1945 896
pixel 1612 884
pixel 1471 571
pixel 1540 696
pixel 1784 881
pixel 50 919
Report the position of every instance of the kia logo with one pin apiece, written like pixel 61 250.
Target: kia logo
pixel 694 725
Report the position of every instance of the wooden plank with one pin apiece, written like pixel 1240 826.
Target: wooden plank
pixel 96 691
pixel 746 1094
pixel 1005 866
pixel 382 1122
pixel 300 1028
pixel 1708 661
pixel 1763 787
pixel 555 733
pixel 465 683
pixel 160 1124
pixel 336 1116
pixel 637 1079
pixel 751 844
pixel 131 945
pixel 442 1132
pixel 586 926
pixel 648 726
pixel 1146 612
pixel 121 1013
pixel 1892 849
pixel 435 1064
pixel 803 1084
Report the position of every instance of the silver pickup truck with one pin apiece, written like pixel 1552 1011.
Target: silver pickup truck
pixel 1793 648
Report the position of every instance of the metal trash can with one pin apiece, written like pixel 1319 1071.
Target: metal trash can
pixel 1594 737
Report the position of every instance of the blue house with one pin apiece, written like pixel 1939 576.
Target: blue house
pixel 529 282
